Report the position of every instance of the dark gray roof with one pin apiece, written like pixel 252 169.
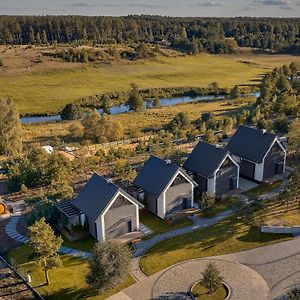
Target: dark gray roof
pixel 250 143
pixel 156 175
pixel 96 195
pixel 205 159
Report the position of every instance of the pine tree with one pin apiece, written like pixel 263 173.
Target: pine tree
pixel 212 278
pixel 135 100
pixel 44 37
pixel 38 38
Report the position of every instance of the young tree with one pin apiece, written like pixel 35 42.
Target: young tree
pixel 294 294
pixel 109 265
pixel 46 245
pixel 214 88
pixel 105 103
pixel 207 201
pixel 156 102
pixel 180 121
pixel 210 136
pixel 135 100
pixel 212 278
pixel 10 128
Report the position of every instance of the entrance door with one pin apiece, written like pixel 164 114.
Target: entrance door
pixel 279 168
pixel 185 203
pixel 129 224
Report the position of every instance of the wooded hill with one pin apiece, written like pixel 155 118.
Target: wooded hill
pixel 192 35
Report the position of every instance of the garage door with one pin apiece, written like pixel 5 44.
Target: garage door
pixel 247 168
pixel 118 229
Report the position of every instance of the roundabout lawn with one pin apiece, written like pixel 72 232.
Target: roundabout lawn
pixel 225 237
pixel 201 293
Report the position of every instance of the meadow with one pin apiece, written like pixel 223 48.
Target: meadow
pixel 47 90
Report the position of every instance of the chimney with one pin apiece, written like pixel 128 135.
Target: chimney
pixel 168 161
pixel 264 131
pixel 109 180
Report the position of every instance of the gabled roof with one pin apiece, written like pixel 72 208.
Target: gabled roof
pixel 250 143
pixel 156 174
pixel 96 195
pixel 205 159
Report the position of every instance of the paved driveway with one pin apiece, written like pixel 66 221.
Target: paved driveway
pixel 261 273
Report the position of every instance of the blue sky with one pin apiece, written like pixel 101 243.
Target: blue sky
pixel 270 8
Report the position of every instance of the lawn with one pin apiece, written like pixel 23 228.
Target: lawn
pixel 219 207
pixel 225 237
pixel 48 91
pixel 159 226
pixel 263 189
pixel 85 244
pixel 67 282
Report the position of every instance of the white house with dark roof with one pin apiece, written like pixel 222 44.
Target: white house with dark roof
pixel 259 153
pixel 213 168
pixel 109 211
pixel 164 187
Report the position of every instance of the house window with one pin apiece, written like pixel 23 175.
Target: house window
pixel 120 201
pixel 178 180
pixel 227 164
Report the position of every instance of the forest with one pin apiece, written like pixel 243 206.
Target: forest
pixel 191 35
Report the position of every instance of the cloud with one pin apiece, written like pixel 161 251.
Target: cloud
pixel 150 6
pixel 80 5
pixel 281 3
pixel 208 4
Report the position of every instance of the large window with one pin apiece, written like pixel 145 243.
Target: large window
pixel 178 180
pixel 120 201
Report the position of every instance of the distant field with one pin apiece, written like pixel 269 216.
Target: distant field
pixel 150 118
pixel 45 91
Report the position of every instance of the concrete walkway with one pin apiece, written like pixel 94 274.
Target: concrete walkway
pixel 263 273
pixel 12 232
pixel 143 246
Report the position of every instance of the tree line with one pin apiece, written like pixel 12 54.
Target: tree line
pixel 215 35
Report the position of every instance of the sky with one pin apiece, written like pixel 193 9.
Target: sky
pixel 194 8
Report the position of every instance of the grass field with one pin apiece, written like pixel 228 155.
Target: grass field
pixel 226 237
pixel 66 282
pixel 46 91
pixel 150 118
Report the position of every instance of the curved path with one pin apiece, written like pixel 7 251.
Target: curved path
pixel 12 232
pixel 262 273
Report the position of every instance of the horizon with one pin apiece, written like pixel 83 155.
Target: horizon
pixel 164 8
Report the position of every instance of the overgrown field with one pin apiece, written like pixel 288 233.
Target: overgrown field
pixel 48 89
pixel 134 121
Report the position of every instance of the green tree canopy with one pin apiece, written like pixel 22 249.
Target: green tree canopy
pixel 46 245
pixel 109 265
pixel 135 101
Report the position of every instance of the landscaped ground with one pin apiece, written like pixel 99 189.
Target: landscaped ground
pixel 263 189
pixel 218 207
pixel 48 89
pixel 84 244
pixel 201 293
pixel 226 237
pixel 67 282
pixel 159 226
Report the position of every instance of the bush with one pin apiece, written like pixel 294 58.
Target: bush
pixel 207 201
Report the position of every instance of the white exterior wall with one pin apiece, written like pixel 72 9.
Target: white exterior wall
pixel 211 186
pixel 259 172
pixel 100 230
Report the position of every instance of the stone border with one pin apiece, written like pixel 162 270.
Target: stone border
pixel 229 292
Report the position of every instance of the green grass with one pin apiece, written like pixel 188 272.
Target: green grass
pixel 225 237
pixel 159 226
pixel 85 244
pixel 263 189
pixel 49 91
pixel 219 207
pixel 201 293
pixel 66 282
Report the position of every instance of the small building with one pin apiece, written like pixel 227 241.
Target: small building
pixel 213 168
pixel 259 153
pixel 164 187
pixel 105 209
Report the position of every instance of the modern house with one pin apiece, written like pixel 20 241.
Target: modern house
pixel 104 208
pixel 164 187
pixel 213 168
pixel 260 154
